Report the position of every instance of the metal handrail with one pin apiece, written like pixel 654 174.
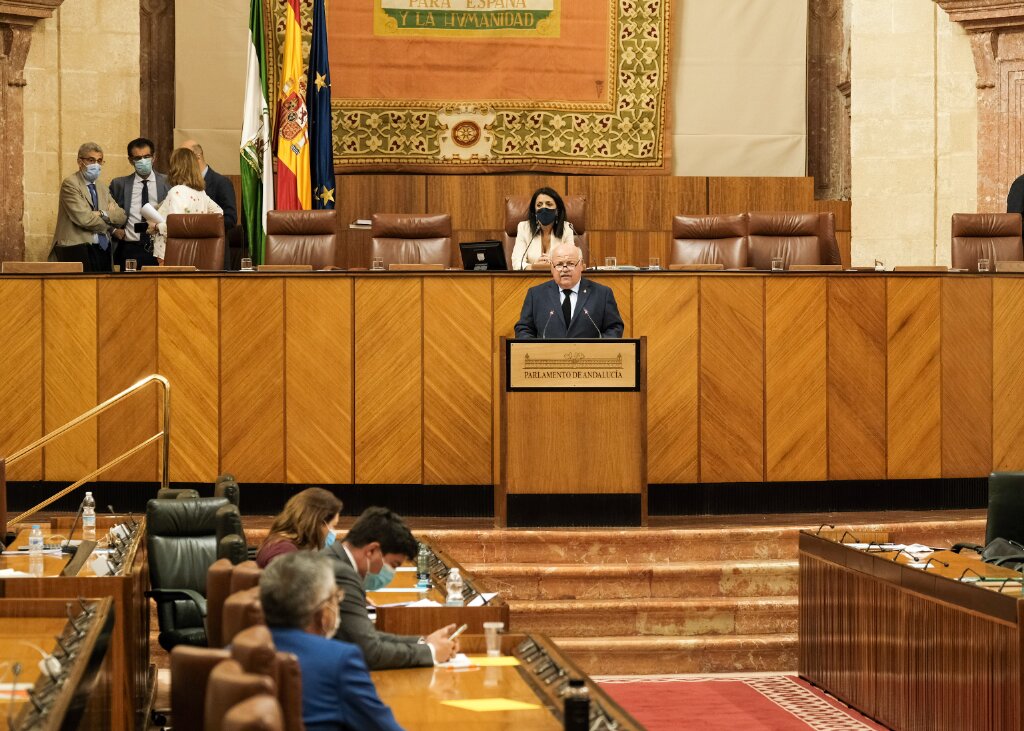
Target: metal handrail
pixel 165 434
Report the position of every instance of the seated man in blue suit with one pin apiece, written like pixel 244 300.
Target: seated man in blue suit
pixel 300 605
pixel 569 306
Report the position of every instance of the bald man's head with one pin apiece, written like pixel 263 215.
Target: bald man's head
pixel 197 150
pixel 566 265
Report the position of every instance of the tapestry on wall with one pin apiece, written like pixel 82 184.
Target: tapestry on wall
pixel 495 85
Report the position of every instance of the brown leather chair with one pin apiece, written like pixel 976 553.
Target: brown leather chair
pixel 827 238
pixel 258 713
pixel 995 236
pixel 229 685
pixel 242 609
pixel 794 237
pixel 254 649
pixel 716 239
pixel 222 580
pixel 302 237
pixel 517 210
pixel 411 238
pixel 190 669
pixel 195 239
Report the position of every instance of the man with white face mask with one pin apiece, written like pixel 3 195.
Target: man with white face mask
pixel 365 560
pixel 300 605
pixel 86 214
pixel 132 192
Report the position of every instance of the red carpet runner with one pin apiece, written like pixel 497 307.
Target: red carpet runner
pixel 731 703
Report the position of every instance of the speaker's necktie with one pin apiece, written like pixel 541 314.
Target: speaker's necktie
pixel 567 308
pixel 101 239
pixel 144 237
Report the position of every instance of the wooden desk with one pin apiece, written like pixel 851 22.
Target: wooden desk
pixel 132 681
pixel 418 695
pixel 912 648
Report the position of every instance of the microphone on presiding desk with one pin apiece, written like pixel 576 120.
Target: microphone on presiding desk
pixel 543 335
pixel 587 313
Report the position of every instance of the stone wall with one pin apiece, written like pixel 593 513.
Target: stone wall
pixel 82 79
pixel 913 130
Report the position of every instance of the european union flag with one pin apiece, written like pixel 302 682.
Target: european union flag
pixel 318 100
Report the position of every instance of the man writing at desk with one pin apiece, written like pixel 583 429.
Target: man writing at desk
pixel 569 306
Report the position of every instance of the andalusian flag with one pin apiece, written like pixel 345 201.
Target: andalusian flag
pixel 293 187
pixel 318 90
pixel 257 154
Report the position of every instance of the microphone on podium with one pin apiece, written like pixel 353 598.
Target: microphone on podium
pixel 587 313
pixel 543 335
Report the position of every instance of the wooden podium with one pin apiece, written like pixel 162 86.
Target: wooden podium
pixel 573 433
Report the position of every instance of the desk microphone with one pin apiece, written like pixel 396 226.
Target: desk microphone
pixel 599 333
pixel 903 550
pixel 67 547
pixel 543 335
pixel 824 525
pixel 935 560
pixel 848 533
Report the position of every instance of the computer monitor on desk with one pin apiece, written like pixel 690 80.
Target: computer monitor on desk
pixel 483 256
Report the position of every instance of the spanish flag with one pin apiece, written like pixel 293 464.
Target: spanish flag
pixel 293 184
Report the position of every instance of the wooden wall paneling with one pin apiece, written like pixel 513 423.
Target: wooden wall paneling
pixel 126 353
pixel 318 380
pixel 736 195
pixel 796 379
pixel 21 377
pixel 477 202
pixel 457 372
pixel 638 202
pixel 665 309
pixel 914 386
pixel 362 195
pixel 508 294
pixel 389 380
pixel 732 379
pixel 622 288
pixel 630 247
pixel 252 420
pixel 353 251
pixel 966 377
pixel 856 378
pixel 69 358
pixel 1007 374
pixel 188 343
pixel 842 209
pixel 843 241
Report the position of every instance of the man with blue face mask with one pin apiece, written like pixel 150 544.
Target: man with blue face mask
pixel 366 559
pixel 86 214
pixel 132 192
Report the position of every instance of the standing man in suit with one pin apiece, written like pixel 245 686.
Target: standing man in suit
pixel 569 306
pixel 132 192
pixel 86 214
pixel 366 559
pixel 220 189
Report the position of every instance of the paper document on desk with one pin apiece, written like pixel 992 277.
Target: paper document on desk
pixel 459 661
pixel 418 603
pixel 480 599
pixel 13 574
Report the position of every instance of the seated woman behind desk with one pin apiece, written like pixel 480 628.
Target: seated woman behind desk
pixel 187 195
pixel 544 228
pixel 306 524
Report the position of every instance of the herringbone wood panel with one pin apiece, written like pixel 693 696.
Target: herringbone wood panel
pixel 252 379
pixel 457 416
pixel 389 381
pixel 1007 374
pixel 665 310
pixel 318 380
pixel 127 352
pixel 966 377
pixel 856 378
pixel 188 342
pixel 914 412
pixel 21 377
pixel 69 342
pixel 795 379
pixel 732 379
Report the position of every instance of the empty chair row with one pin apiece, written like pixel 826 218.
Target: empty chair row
pixel 752 240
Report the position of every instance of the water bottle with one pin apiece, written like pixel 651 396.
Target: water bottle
pixel 35 541
pixel 577 706
pixel 88 518
pixel 423 568
pixel 454 587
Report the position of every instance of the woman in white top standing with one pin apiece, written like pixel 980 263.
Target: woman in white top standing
pixel 544 229
pixel 185 196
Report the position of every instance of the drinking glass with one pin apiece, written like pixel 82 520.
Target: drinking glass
pixel 983 266
pixel 131 265
pixel 378 263
pixel 654 264
pixel 246 264
pixel 609 262
pixel 777 264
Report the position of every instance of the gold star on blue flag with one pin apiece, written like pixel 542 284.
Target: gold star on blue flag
pixel 321 141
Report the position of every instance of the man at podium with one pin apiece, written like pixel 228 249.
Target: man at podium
pixel 569 306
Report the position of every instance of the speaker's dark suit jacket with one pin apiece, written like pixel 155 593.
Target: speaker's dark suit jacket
pixel 536 320
pixel 222 192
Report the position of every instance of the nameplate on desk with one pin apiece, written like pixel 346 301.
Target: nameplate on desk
pixel 284 268
pixel 572 365
pixel 1010 266
pixel 696 267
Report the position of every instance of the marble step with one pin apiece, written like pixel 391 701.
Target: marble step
pixel 654 545
pixel 656 617
pixel 683 580
pixel 702 654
